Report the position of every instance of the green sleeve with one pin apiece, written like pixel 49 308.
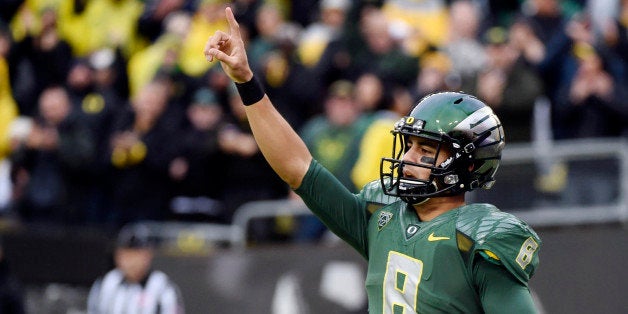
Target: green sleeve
pixel 343 212
pixel 500 291
pixel 510 242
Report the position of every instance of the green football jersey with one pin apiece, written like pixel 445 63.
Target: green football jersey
pixel 417 266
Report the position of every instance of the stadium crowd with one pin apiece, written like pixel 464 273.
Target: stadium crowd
pixel 110 114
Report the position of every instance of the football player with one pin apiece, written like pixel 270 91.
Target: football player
pixel 428 251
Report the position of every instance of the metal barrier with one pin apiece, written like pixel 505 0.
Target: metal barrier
pixel 188 237
pixel 262 209
pixel 514 154
pixel 196 237
pixel 539 154
pixel 598 149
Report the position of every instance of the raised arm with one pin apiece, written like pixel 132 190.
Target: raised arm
pixel 280 144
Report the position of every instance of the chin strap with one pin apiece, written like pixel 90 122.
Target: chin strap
pixel 415 200
pixel 414 188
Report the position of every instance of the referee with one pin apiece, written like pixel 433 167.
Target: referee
pixel 133 287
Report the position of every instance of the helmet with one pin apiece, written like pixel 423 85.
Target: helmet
pixel 459 123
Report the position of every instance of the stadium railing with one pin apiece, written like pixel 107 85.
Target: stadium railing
pixel 593 167
pixel 262 209
pixel 534 158
pixel 190 237
pixel 521 165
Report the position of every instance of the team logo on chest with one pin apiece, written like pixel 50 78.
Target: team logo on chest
pixel 383 219
pixel 411 230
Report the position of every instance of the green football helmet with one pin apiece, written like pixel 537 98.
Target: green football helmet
pixel 463 124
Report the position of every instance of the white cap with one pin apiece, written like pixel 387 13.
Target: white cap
pixel 343 5
pixel 102 59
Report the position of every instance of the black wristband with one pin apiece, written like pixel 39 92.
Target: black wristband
pixel 250 92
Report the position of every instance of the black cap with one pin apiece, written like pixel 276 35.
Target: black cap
pixel 205 97
pixel 135 236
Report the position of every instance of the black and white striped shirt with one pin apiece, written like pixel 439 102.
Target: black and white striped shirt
pixel 112 294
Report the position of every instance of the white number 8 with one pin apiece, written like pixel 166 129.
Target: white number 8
pixel 401 283
pixel 526 252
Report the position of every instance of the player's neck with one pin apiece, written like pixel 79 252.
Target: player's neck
pixel 437 206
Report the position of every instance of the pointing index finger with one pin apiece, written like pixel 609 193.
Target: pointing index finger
pixel 234 28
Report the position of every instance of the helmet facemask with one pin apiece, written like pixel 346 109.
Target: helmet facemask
pixel 443 179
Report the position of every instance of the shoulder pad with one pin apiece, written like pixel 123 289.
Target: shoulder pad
pixel 374 196
pixel 501 238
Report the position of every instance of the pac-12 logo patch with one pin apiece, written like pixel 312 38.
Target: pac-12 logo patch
pixel 383 219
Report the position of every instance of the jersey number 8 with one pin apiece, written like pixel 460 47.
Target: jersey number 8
pixel 401 283
pixel 526 252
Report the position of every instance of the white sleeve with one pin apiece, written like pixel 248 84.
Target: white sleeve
pixel 94 297
pixel 170 300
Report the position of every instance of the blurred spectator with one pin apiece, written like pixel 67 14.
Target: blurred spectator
pixel 27 19
pixel 377 140
pixel 141 150
pixel 96 24
pixel 420 24
pixel 463 46
pixel 151 22
pixel 44 59
pixel 133 286
pixel 341 125
pixel 373 49
pixel 90 83
pixel 208 18
pixel 181 86
pixel 593 104
pixel 434 75
pixel 219 83
pixel 333 139
pixel 327 27
pixel 199 169
pixel 8 113
pixel 79 82
pixel 50 160
pixel 249 177
pixel 293 86
pixel 144 64
pixel 7 52
pixel 370 93
pixel 602 12
pixel 382 54
pixel 546 20
pixel 374 101
pixel 336 58
pixel 559 57
pixel 614 35
pixel 110 76
pixel 540 35
pixel 270 26
pixel 509 86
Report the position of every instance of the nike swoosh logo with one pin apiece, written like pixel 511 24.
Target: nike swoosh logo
pixel 432 238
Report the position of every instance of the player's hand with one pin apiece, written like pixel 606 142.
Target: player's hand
pixel 229 50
